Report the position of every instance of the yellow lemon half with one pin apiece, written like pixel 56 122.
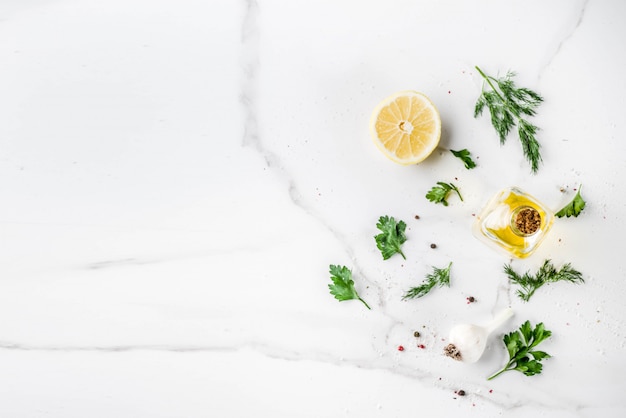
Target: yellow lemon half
pixel 406 127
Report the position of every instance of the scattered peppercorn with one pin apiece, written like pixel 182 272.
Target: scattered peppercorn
pixel 470 299
pixel 422 346
pixel 461 392
pixel 433 245
pixel 416 334
pixel 417 216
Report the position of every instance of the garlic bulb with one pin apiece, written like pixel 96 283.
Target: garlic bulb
pixel 468 341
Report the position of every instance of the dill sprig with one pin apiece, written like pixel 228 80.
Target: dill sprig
pixel 547 273
pixel 439 277
pixel 508 105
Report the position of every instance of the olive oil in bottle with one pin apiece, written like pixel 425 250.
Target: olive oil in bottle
pixel 513 221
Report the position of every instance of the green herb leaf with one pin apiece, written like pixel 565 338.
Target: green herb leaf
pixel 539 355
pixel 530 367
pixel 512 343
pixel 574 207
pixel 464 155
pixel 518 344
pixel 547 273
pixel 527 331
pixel 507 106
pixel 439 277
pixel 391 238
pixel 342 287
pixel 439 194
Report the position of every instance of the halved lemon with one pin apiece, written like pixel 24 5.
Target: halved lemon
pixel 406 127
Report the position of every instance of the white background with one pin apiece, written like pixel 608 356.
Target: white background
pixel 176 177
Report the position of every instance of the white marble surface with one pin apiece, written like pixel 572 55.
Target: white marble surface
pixel 176 177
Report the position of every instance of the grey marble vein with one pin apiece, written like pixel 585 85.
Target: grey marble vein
pixel 385 363
pixel 250 67
pixel 250 63
pixel 6 345
pixel 576 24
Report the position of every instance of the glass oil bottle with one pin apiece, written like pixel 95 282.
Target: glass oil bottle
pixel 514 222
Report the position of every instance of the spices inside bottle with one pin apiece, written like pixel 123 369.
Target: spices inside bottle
pixel 526 220
pixel 513 221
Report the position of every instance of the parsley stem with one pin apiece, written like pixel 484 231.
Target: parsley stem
pixel 365 303
pixel 498 373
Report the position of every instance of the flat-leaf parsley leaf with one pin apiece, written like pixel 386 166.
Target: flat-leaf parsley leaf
pixel 574 207
pixel 522 356
pixel 439 194
pixel 342 287
pixel 465 156
pixel 392 236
